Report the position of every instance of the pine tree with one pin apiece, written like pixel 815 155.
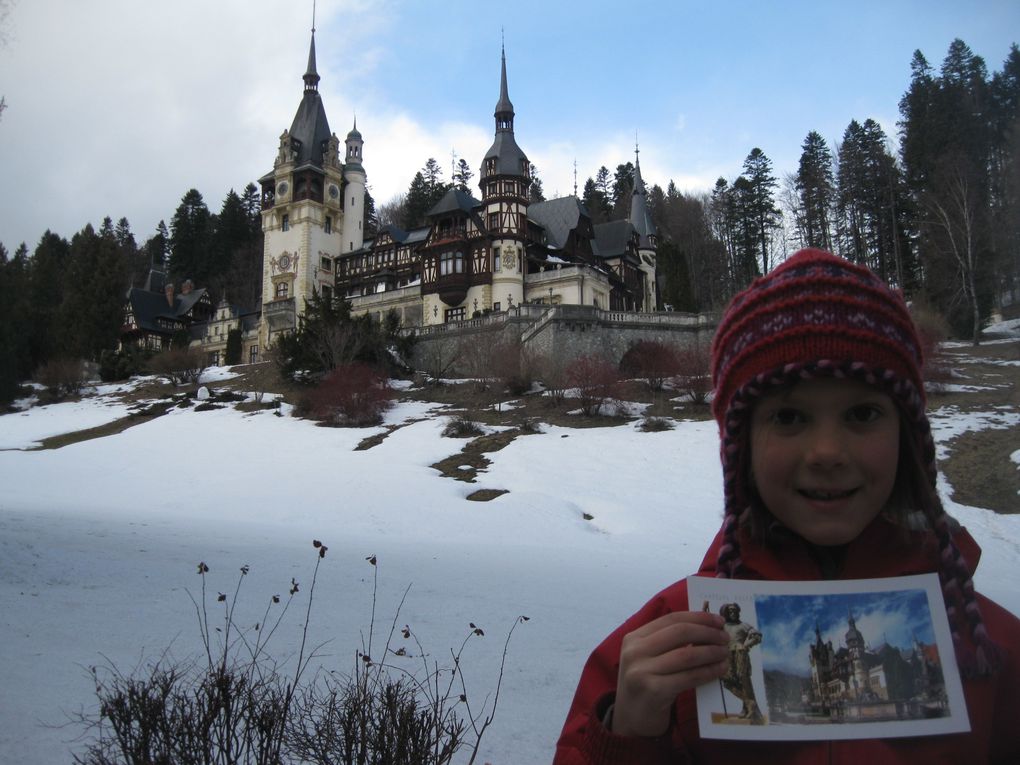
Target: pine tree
pixel 535 192
pixel 761 215
pixel 596 198
pixel 93 307
pixel 426 189
pixel 463 175
pixel 622 190
pixel 252 206
pixel 816 190
pixel 16 357
pixel 47 280
pixel 191 231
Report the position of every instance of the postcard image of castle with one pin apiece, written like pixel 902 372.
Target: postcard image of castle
pixel 849 658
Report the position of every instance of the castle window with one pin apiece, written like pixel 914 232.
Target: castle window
pixel 285 223
pixel 325 264
pixel 253 354
pixel 496 265
pixel 455 314
pixel 327 293
pixel 282 290
pixel 497 306
pixel 451 263
pixel 493 221
pixel 329 225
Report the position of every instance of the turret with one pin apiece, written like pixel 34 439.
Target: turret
pixel 648 241
pixel 504 182
pixel 353 235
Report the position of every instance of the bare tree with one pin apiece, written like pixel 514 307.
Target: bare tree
pixel 954 210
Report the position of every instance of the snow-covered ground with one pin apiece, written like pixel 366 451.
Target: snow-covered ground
pixel 99 543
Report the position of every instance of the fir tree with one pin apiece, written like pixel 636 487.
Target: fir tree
pixel 535 190
pixel 191 231
pixel 816 190
pixel 761 216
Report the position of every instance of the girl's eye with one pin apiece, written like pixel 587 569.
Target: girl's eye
pixel 863 413
pixel 787 416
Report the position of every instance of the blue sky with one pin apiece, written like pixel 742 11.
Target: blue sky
pixel 117 107
pixel 787 623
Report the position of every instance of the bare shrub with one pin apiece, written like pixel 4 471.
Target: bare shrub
pixel 179 365
pixel 652 361
pixel 462 427
pixel 352 395
pixel 237 704
pixel 655 425
pixel 693 377
pixel 551 370
pixel 437 357
pixel 513 365
pixel 594 380
pixel 62 376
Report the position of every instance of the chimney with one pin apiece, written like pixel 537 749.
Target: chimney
pixel 169 290
pixel 186 287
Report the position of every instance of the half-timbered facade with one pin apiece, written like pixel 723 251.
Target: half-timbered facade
pixel 476 256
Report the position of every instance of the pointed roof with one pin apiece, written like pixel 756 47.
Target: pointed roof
pixel 311 76
pixel 510 160
pixel 639 215
pixel 310 128
pixel 558 217
pixel 503 106
pixel 452 201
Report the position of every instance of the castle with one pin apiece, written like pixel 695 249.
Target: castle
pixel 471 258
pixel 871 678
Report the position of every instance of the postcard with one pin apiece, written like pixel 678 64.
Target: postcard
pixel 863 658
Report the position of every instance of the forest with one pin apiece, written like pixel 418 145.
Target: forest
pixel 935 212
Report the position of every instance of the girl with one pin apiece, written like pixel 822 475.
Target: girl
pixel 829 473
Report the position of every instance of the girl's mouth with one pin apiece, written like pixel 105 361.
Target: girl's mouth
pixel 822 495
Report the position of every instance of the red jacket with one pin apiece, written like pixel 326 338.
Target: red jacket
pixel 882 550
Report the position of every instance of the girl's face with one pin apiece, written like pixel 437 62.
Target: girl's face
pixel 824 455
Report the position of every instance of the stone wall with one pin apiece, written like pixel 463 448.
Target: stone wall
pixel 563 332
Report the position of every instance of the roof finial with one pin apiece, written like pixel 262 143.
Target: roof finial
pixel 313 17
pixel 575 176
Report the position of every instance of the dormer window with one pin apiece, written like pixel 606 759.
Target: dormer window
pixel 490 166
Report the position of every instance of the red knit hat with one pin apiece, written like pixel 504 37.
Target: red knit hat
pixel 814 306
pixel 820 316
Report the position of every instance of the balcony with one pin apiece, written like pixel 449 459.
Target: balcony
pixel 280 314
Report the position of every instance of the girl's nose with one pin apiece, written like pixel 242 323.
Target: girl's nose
pixel 827 447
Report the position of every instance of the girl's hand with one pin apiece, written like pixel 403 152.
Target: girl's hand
pixel 660 660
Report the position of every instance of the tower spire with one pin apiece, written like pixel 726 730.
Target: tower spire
pixel 311 76
pixel 504 113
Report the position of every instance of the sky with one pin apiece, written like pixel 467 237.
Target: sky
pixel 118 107
pixel 96 561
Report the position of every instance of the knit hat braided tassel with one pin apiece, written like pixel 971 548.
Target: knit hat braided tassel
pixel 820 316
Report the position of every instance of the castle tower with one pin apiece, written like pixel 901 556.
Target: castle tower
pixel 648 240
pixel 855 646
pixel 354 194
pixel 302 212
pixel 504 181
